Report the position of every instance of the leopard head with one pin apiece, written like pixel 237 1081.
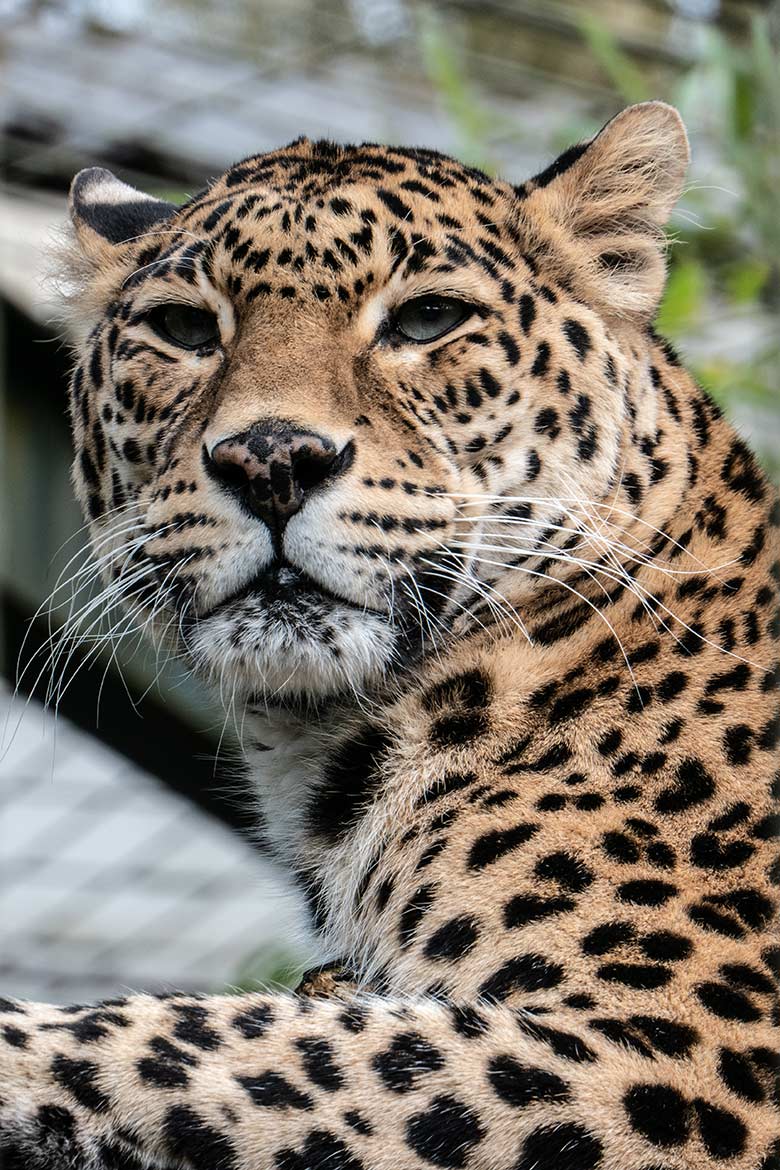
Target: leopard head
pixel 301 394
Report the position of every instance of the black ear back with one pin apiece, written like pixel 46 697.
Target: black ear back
pixel 118 213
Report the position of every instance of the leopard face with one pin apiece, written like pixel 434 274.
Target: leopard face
pixel 304 396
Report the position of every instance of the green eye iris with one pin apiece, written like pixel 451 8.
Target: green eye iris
pixel 426 318
pixel 186 326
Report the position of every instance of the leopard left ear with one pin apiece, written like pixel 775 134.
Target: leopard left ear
pixel 597 213
pixel 107 213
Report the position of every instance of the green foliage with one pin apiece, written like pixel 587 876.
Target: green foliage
pixel 683 303
pixel 263 969
pixel 625 78
pixel 724 278
pixel 443 63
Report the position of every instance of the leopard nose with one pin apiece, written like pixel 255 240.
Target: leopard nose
pixel 274 467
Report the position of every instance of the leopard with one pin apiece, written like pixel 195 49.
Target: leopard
pixel 390 450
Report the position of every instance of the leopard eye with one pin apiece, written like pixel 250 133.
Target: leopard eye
pixel 186 326
pixel 426 318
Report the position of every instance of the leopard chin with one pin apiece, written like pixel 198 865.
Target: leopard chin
pixel 284 641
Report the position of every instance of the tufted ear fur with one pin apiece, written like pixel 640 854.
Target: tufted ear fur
pixel 106 212
pixel 92 261
pixel 597 213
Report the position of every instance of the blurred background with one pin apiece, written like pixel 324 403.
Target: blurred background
pixel 126 856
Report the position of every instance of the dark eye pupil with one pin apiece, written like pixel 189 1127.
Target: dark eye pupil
pixel 426 318
pixel 188 327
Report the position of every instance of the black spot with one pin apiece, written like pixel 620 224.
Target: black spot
pixel 581 1001
pixel 772 1159
pixel 740 472
pixel 726 1003
pixel 321 1150
pixel 349 782
pixel 80 1077
pixel 255 1021
pixel 319 1063
pixel 620 847
pixel 469 696
pixel 450 782
pixel 566 869
pixel 738 1074
pixel 578 336
pixel 736 814
pixel 604 938
pixel 409 1057
pixel 692 786
pixel 271 1090
pixel 665 946
pixel 542 360
pixel 445 1133
pixel 396 205
pixel 567 1045
pixel 526 307
pixel 8 1005
pixel 646 892
pixel 547 423
pixel 709 852
pixel 671 685
pixel 561 1146
pixel 737 742
pixel 359 1123
pixel 14 1036
pixel 557 167
pixel 723 1133
pixel 666 1036
pixel 529 972
pixel 609 743
pixel 522 1084
pixel 492 846
pixel 571 705
pixel 354 1018
pixel 413 913
pixel 525 908
pixel 643 976
pixel 192 1026
pixel 54 1120
pixel 165 1074
pixel 509 346
pixel 468 1022
pixel 659 1113
pixel 747 977
pixel 454 939
pixel 161 1046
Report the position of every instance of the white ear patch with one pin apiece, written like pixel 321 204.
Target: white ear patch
pixel 102 203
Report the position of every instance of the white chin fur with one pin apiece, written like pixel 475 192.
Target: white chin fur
pixel 292 655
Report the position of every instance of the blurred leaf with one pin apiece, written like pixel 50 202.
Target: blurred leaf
pixel 444 67
pixel 175 195
pixel 744 106
pixel 746 279
pixel 266 968
pixel 617 65
pixel 685 292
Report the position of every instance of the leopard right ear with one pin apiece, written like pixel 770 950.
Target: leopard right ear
pixel 598 212
pixel 107 213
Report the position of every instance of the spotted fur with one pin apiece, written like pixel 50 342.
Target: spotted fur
pixel 502 608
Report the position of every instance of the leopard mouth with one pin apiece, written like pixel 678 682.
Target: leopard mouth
pixel 286 638
pixel 283 586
